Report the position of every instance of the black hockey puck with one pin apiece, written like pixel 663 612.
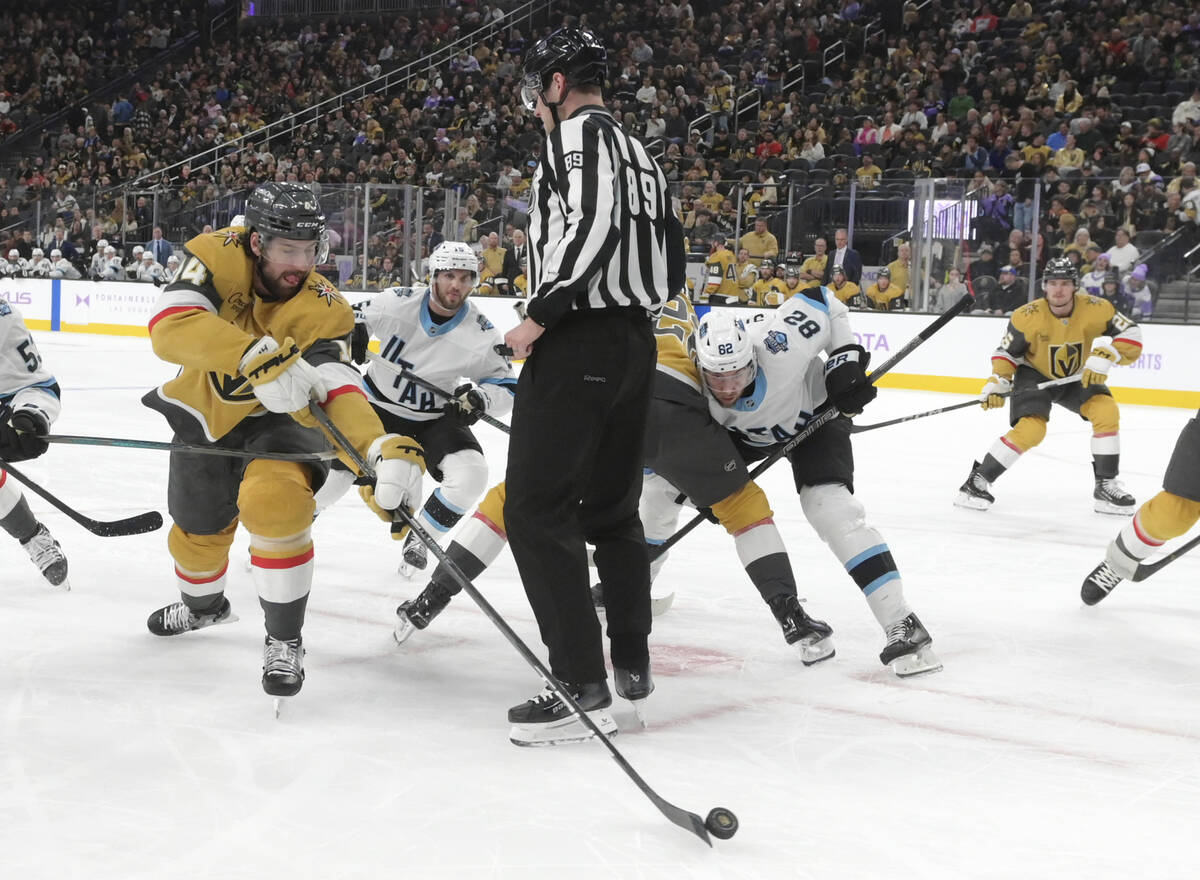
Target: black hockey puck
pixel 721 823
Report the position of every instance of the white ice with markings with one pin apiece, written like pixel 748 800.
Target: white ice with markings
pixel 1060 741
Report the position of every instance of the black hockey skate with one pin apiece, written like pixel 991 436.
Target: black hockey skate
pixel 811 637
pixel 1110 497
pixel 47 556
pixel 415 614
pixel 909 649
pixel 1102 581
pixel 546 720
pixel 974 494
pixel 177 618
pixel 283 667
pixel 634 683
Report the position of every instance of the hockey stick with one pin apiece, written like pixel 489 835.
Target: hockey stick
pixel 133 525
pixel 827 415
pixel 1050 383
pixel 720 821
pixel 1145 569
pixel 429 386
pixel 75 440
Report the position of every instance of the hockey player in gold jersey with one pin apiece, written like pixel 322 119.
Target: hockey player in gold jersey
pixel 846 290
pixel 768 290
pixel 721 276
pixel 1169 514
pixel 1062 334
pixel 259 334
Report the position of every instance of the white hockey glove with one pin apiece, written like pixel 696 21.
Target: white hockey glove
pixel 399 464
pixel 282 380
pixel 994 391
pixel 1095 368
pixel 468 404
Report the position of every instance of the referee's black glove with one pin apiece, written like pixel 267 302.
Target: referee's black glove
pixel 467 405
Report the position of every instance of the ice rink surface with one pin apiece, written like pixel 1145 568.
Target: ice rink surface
pixel 1059 741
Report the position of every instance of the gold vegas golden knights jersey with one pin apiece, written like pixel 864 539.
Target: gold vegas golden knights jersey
pixel 769 293
pixel 677 377
pixel 721 277
pixel 208 316
pixel 1058 347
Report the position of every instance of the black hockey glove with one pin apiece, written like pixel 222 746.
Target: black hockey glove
pixel 21 435
pixel 359 338
pixel 846 379
pixel 467 405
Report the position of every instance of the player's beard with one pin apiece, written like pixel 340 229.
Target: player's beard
pixel 449 300
pixel 279 286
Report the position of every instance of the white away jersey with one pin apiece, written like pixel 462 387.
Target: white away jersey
pixel 441 354
pixel 24 380
pixel 790 384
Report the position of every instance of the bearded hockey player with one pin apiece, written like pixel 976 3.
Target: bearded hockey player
pixel 259 334
pixel 1047 339
pixel 439 335
pixel 29 404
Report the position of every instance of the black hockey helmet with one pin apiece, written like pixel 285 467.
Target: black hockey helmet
pixel 1060 267
pixel 576 53
pixel 285 210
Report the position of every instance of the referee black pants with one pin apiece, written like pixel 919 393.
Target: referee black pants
pixel 575 476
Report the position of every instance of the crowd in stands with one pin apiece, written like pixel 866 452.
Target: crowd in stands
pixel 1094 105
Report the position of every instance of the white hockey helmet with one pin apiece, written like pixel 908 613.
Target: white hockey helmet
pixel 453 255
pixel 56 254
pixel 147 255
pixel 14 254
pixel 238 220
pixel 102 244
pixel 110 250
pixel 137 251
pixel 173 260
pixel 38 253
pixel 725 352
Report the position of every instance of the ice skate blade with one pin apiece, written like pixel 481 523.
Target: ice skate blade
pixel 639 709
pixel 1113 509
pixel 406 571
pixel 278 704
pixel 812 653
pixel 970 502
pixel 919 662
pixel 404 629
pixel 562 732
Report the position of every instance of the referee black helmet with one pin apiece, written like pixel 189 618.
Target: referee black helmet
pixel 576 53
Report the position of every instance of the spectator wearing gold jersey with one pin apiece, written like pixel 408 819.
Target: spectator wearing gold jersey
pixel 760 242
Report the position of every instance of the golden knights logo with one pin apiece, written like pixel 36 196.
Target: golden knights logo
pixel 232 237
pixel 1066 359
pixel 326 292
pixel 233 389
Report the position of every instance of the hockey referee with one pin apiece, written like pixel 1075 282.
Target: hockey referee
pixel 597 276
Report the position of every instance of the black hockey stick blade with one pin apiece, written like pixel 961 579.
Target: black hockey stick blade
pixel 688 821
pixel 1146 569
pixel 117 528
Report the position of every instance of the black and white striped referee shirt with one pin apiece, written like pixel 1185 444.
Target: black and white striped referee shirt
pixel 598 222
